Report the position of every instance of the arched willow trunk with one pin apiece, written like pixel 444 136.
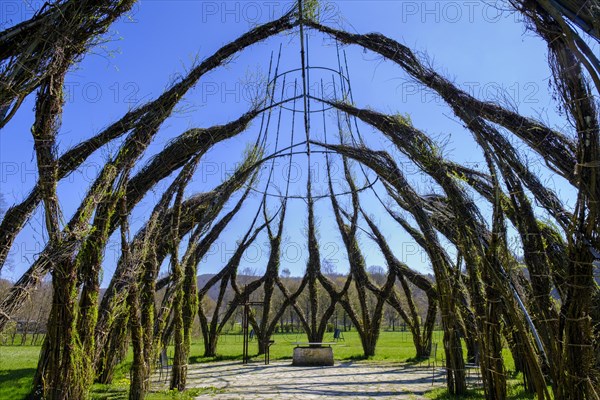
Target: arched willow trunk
pixel 114 351
pixel 421 333
pixel 180 358
pixel 212 329
pixel 556 149
pixel 385 167
pixel 319 288
pixel 366 318
pixel 270 317
pixel 145 118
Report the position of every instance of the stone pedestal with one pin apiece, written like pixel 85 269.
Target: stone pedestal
pixel 313 356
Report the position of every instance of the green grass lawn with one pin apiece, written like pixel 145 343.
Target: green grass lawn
pixel 515 391
pixel 18 363
pixel 17 366
pixel 392 346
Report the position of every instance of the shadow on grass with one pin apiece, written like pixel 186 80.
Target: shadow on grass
pixel 356 358
pixel 203 360
pixel 253 358
pixel 16 375
pixel 16 383
pixel 112 392
pixel 419 361
pixel 442 394
pixel 109 392
pixel 514 392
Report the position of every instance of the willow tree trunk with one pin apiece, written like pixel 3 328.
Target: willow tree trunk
pixel 210 343
pixel 190 306
pixel 137 386
pixel 114 351
pixel 495 379
pixel 60 373
pixel 455 365
pixel 147 299
pixel 369 342
pixel 421 349
pixel 263 334
pixel 89 265
pixel 179 374
pixel 423 340
pixel 210 346
pixel 429 326
pixel 515 346
pixel 578 353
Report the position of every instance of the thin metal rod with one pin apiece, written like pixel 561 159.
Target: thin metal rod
pixel 291 155
pixel 262 120
pixel 305 94
pixel 272 99
pixel 276 139
pixel 318 197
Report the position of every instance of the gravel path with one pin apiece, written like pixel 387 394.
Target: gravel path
pixel 279 380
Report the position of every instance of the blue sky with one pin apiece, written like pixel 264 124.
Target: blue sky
pixel 484 50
